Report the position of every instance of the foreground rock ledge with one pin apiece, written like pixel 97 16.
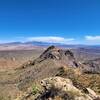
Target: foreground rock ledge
pixel 58 88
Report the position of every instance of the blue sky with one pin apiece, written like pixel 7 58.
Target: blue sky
pixel 64 21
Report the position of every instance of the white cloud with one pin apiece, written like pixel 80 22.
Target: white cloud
pixel 92 38
pixel 50 39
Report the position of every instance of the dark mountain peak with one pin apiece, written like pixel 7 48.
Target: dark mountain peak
pixel 65 57
pixel 57 53
pixel 50 52
pixel 51 47
pixel 59 56
pixel 68 52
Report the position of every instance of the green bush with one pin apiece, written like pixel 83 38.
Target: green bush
pixel 35 89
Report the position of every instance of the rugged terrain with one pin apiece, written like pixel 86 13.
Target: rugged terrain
pixel 12 59
pixel 80 65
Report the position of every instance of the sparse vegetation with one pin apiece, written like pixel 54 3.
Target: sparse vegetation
pixel 35 89
pixel 81 80
pixel 20 79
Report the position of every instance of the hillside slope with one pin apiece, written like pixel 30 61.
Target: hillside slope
pixel 52 62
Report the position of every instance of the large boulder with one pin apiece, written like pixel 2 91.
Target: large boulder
pixel 63 89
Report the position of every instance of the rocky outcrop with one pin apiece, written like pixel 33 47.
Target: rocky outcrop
pixel 91 66
pixel 63 89
pixel 64 57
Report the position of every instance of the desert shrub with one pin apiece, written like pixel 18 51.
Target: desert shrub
pixel 35 89
pixel 2 98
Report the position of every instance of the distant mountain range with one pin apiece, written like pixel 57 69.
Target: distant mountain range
pixel 35 43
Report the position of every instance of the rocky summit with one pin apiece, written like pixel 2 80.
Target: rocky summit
pixel 63 57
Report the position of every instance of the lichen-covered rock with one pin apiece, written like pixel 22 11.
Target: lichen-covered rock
pixel 58 87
